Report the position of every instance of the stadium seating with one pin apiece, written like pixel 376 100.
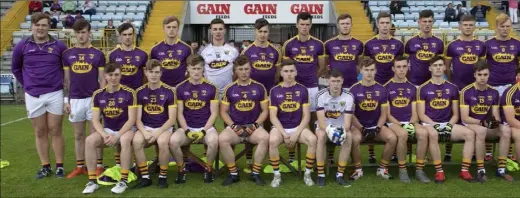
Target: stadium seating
pixel 4 6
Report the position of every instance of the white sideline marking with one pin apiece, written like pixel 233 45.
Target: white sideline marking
pixel 10 122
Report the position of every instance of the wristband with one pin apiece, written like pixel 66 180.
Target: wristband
pixel 66 99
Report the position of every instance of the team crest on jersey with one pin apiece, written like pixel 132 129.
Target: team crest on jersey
pixel 342 103
pixel 50 49
pixel 311 48
pixel 434 45
pixel 226 52
pixel 119 100
pixel 477 47
pixel 271 55
pixel 447 91
pixel 253 92
pixel 392 47
pixel 490 98
pixel 161 97
pixel 377 93
pixel 204 92
pixel 512 47
pixel 137 58
pixel 179 52
pixel 91 56
pixel 354 47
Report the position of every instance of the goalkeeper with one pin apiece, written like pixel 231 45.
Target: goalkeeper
pixel 334 108
pixel 197 110
pixel 479 107
pixel 244 108
pixel 402 120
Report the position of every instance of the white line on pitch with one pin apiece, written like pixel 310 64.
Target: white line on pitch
pixel 10 122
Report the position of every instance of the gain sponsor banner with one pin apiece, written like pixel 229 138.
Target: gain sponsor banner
pixel 246 12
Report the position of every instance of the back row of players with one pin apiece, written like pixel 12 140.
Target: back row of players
pixel 302 60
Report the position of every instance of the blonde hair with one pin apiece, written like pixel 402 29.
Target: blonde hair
pixel 502 18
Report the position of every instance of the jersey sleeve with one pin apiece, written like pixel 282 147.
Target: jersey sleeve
pixel 384 97
pixel 273 102
pixel 320 101
pixel 102 61
pixel 366 50
pixel 305 97
pixel 449 52
pixel 349 105
pixel 441 48
pixel 65 60
pixel 285 51
pixel 483 52
pixel 320 49
pixel 140 101
pixel 413 94
pixel 361 49
pixel 215 93
pixel 464 98
pixel 133 99
pixel 179 97
pixel 401 49
pixel 264 94
pixel 172 100
pixel 455 96
pixel 152 53
pixel 225 97
pixel 407 50
pixel 421 94
pixel 326 52
pixel 95 101
pixel 496 98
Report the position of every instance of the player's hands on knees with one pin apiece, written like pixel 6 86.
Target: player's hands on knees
pixel 111 140
pixel 292 140
pixel 490 123
pixel 66 108
pixel 237 129
pixel 147 135
pixel 251 128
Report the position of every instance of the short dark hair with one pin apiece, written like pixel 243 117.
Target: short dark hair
pixel 435 59
pixel 170 19
pixel 151 64
pixel 366 61
pixel 217 21
pixel 400 58
pixel 81 24
pixel 194 59
pixel 335 73
pixel 240 61
pixel 344 16
pixel 480 65
pixel 111 67
pixel 260 23
pixel 383 15
pixel 286 62
pixel 304 16
pixel 426 14
pixel 467 17
pixel 36 17
pixel 125 26
pixel 231 41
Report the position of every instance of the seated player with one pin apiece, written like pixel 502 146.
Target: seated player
pixel 289 113
pixel 510 102
pixel 334 109
pixel 371 112
pixel 197 111
pixel 116 104
pixel 156 115
pixel 403 120
pixel 438 110
pixel 244 109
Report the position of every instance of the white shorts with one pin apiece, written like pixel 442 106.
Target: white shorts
pixel 389 123
pixel 443 124
pixel 112 132
pixel 501 89
pixel 199 129
pixel 80 109
pixel 313 92
pixel 49 102
pixel 290 131
pixel 153 129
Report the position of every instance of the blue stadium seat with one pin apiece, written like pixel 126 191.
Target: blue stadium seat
pixel 372 3
pixel 412 24
pixel 405 10
pixel 103 3
pixel 118 17
pixel 383 3
pixel 482 24
pixel 439 17
pixel 111 9
pixel 96 17
pixel 384 9
pixel 420 3
pixel 375 9
pixel 7 84
pixel 25 25
pixel 414 10
pixel 399 17
pixel 454 25
pixel 131 9
pixel 121 10
pixel 141 9
pixel 133 3
pixel 429 3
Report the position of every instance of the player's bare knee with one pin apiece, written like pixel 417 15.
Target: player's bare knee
pixel 126 140
pixel 505 132
pixel 469 135
pixel 78 136
pixel 263 138
pixel 162 142
pixel 433 136
pixel 321 136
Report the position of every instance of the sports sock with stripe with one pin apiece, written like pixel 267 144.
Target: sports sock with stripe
pixel 321 169
pixel 124 175
pixel 99 162
pixel 275 163
pixel 143 169
pixel 256 168
pixel 341 168
pixel 309 162
pixel 232 169
pixel 502 164
pixel 419 164
pixel 163 171
pixel 438 166
pixel 80 163
pixel 466 163
pixel 117 157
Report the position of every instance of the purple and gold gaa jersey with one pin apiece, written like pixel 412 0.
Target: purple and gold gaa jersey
pixel 114 106
pixel 173 60
pixel 343 56
pixel 502 57
pixel 420 50
pixel 84 65
pixel 368 101
pixel 384 52
pixel 155 104
pixel 289 102
pixel 464 55
pixel 196 101
pixel 511 99
pixel 438 99
pixel 245 101
pixel 264 61
pixel 305 55
pixel 479 102
pixel 401 97
pixel 132 65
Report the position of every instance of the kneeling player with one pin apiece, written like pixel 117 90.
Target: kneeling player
pixel 403 120
pixel 197 111
pixel 289 113
pixel 371 112
pixel 438 109
pixel 334 109
pixel 510 102
pixel 117 104
pixel 244 108
pixel 156 115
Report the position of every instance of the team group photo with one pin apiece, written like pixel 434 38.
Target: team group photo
pixel 260 98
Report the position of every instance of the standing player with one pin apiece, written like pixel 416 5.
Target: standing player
pixel 172 53
pixel 438 110
pixel 289 112
pixel 371 102
pixel 403 119
pixel 244 109
pixel 343 51
pixel 37 65
pixel 510 103
pixel 116 105
pixel 219 57
pixel 421 48
pixel 308 55
pixel 480 112
pixel 131 58
pixel 197 111
pixel 156 115
pixel 334 108
pixel 83 66
pixel 383 48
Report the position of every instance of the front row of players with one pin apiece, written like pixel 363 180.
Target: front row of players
pixel 392 114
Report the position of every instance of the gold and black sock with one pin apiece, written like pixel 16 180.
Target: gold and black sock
pixel 357 166
pixel 163 171
pixel 80 163
pixel 466 163
pixel 330 152
pixel 489 148
pixel 321 169
pixel 510 154
pixel 292 154
pixel 232 169
pixel 143 169
pixel 502 160
pixel 383 164
pixel 117 157
pixel 275 163
pixel 402 165
pixel 449 146
pixel 438 165
pixel 371 151
pixel 309 162
pixel 124 175
pixel 419 164
pixel 92 176
pixel 341 168
pixel 46 165
pixel 256 168
pixel 99 162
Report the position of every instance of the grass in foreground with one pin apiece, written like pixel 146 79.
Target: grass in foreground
pixel 17 180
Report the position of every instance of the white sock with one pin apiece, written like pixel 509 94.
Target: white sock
pixel 502 170
pixel 146 176
pixel 339 174
pixel 308 171
pixel 235 173
pixel 321 175
pixel 276 172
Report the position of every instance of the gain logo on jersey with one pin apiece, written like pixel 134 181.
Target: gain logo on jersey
pixel 332 114
pixel 384 57
pixel 439 103
pixel 480 109
pixel 81 67
pixel 368 105
pixel 400 102
pixel 153 109
pixel 424 55
pixel 170 63
pixel 468 58
pixel 502 57
pixel 289 106
pixel 304 58
pixel 195 104
pixel 245 105
pixel 112 112
pixel 344 57
pixel 217 64
pixel 262 65
pixel 128 69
